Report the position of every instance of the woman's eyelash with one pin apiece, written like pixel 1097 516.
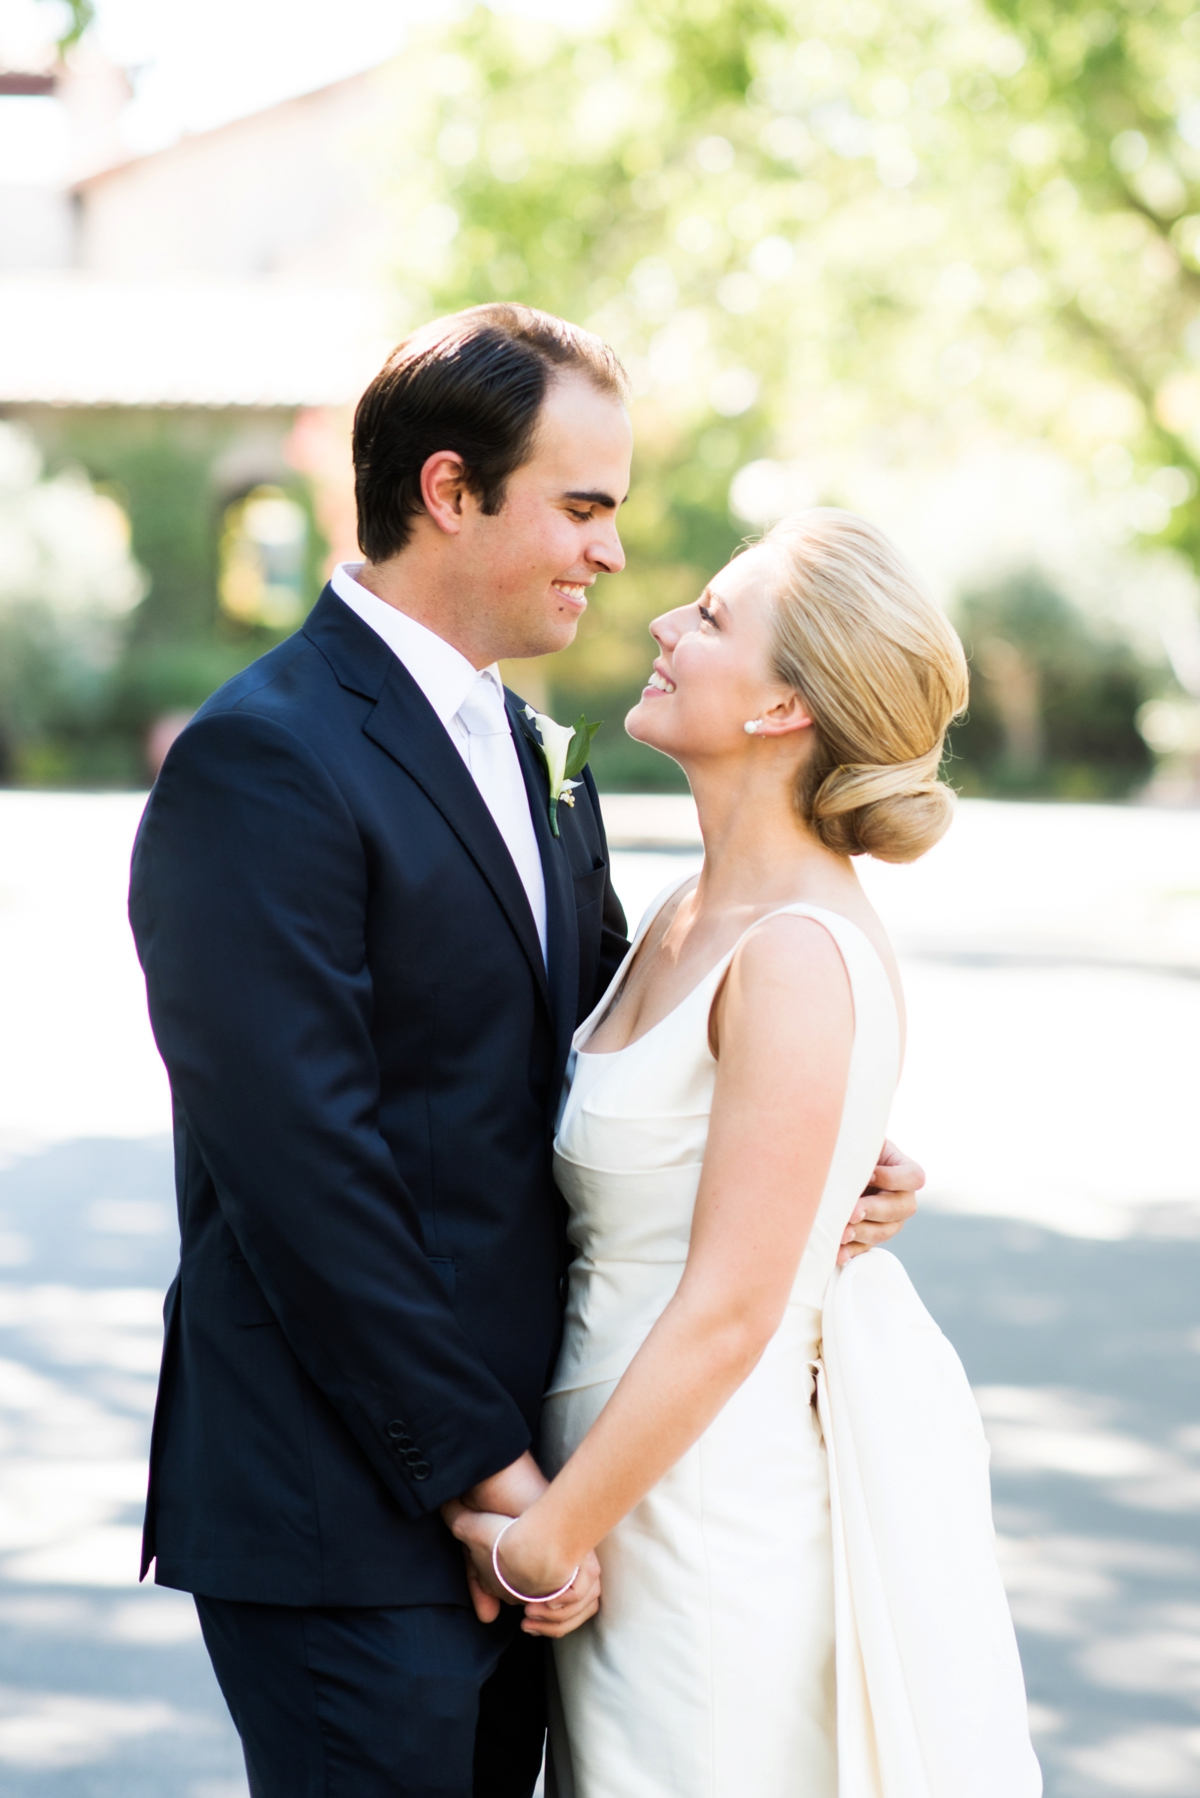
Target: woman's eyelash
pixel 706 615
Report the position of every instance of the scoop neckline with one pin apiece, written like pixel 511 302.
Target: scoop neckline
pixel 604 1054
pixel 798 905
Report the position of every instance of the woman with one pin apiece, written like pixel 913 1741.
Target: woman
pixel 777 1461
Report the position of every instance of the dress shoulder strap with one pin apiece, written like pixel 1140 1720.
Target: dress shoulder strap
pixel 836 923
pixel 655 906
pixel 870 983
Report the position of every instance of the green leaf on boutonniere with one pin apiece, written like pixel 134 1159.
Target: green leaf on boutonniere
pixel 564 749
pixel 581 747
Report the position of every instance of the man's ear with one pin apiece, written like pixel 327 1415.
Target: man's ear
pixel 443 488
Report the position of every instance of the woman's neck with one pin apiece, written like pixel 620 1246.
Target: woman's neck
pixel 757 851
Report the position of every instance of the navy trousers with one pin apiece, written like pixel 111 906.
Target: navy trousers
pixel 418 1701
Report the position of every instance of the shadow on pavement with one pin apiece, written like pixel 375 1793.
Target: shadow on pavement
pixel 105 1689
pixel 1085 1355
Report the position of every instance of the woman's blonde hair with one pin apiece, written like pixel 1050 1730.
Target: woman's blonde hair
pixel 882 674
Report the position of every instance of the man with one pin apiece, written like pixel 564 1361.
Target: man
pixel 366 954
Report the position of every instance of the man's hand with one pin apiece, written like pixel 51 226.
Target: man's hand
pixel 477 1531
pixel 507 1494
pixel 886 1206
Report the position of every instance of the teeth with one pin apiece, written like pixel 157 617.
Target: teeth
pixel 571 590
pixel 663 685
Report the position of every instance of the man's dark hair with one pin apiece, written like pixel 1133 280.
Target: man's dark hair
pixel 473 383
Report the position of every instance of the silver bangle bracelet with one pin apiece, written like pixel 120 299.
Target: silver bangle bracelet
pixel 525 1597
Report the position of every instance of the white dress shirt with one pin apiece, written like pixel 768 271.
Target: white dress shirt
pixel 447 679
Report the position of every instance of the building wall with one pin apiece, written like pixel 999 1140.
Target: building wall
pixel 37 227
pixel 289 192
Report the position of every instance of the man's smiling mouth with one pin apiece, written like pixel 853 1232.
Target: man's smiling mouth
pixel 575 590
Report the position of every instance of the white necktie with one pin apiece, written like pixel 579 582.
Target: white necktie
pixel 486 720
pixel 492 760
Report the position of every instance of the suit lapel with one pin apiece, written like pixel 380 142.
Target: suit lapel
pixel 562 940
pixel 405 725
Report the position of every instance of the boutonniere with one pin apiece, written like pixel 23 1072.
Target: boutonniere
pixel 565 749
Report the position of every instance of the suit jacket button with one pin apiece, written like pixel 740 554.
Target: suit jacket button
pixel 396 1429
pixel 421 1470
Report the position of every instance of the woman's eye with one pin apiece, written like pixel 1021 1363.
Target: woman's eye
pixel 707 616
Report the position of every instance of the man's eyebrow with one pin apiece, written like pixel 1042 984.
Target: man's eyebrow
pixel 597 499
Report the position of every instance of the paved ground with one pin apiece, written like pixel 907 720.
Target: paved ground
pixel 105 1691
pixel 1052 961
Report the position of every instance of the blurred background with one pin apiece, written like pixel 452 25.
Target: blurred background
pixel 937 262
pixel 940 262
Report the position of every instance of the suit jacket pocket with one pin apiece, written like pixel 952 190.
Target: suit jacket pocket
pixel 589 888
pixel 245 1302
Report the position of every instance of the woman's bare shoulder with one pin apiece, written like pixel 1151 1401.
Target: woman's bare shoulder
pixel 786 977
pixel 788 949
pixel 801 949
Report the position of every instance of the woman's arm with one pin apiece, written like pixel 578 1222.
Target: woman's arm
pixel 786 1027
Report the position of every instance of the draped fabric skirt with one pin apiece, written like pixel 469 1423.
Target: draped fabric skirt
pixel 709 1671
pixel 808 1605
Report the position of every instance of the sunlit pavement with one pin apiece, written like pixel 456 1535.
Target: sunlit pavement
pixel 1052 963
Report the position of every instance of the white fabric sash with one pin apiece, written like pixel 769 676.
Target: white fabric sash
pixel 931 1699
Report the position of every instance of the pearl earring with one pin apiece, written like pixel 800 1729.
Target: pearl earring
pixel 751 726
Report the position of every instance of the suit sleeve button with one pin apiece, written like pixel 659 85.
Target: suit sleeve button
pixel 421 1470
pixel 396 1429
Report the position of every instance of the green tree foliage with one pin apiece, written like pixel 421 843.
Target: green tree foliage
pixel 82 720
pixel 53 705
pixel 79 14
pixel 835 234
pixel 1101 125
pixel 1053 699
pixel 67 586
pixel 833 240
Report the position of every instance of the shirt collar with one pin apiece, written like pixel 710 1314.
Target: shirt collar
pixel 442 672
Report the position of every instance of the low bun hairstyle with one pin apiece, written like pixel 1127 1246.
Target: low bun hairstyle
pixel 883 676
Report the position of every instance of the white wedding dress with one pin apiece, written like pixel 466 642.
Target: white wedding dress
pixel 808 1605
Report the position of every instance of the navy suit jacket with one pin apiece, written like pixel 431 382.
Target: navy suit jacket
pixel 366 1052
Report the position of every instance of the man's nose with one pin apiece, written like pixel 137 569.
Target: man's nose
pixel 606 552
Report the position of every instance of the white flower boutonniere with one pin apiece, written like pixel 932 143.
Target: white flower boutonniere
pixel 565 749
